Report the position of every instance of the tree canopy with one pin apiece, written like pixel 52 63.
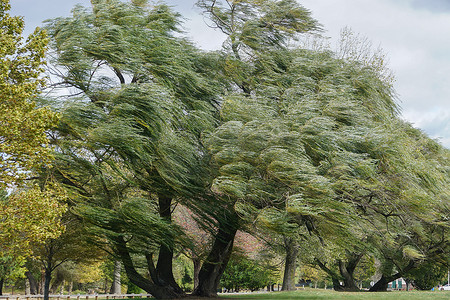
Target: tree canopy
pixel 28 212
pixel 303 148
pixel 22 125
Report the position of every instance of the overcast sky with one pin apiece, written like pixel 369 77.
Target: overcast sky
pixel 415 34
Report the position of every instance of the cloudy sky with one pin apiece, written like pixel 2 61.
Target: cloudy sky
pixel 415 34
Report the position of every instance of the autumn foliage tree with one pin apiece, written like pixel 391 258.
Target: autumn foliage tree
pixel 22 125
pixel 28 213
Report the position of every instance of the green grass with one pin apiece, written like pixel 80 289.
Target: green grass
pixel 310 294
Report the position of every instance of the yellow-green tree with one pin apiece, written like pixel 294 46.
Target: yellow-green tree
pixel 32 213
pixel 28 217
pixel 22 125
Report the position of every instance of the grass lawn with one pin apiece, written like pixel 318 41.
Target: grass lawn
pixel 328 294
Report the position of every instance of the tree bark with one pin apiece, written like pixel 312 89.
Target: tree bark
pixel 33 283
pixel 346 270
pixel 164 266
pixel 116 287
pixel 382 284
pixel 290 264
pixel 217 260
pixel 27 287
pixel 197 266
pixel 158 291
pixel 48 278
pixel 1 286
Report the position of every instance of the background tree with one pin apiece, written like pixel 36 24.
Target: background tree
pixel 313 274
pixel 427 276
pixel 72 245
pixel 245 273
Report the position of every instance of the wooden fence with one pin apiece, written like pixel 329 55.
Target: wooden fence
pixel 77 297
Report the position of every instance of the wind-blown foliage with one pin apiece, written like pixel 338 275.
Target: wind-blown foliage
pixel 129 141
pixel 305 145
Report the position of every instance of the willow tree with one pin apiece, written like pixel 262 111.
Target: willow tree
pixel 252 29
pixel 402 219
pixel 129 142
pixel 415 220
pixel 286 159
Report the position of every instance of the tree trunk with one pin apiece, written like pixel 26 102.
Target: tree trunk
pixel 27 287
pixel 1 286
pixel 69 289
pixel 290 264
pixel 33 283
pixel 116 287
pixel 335 278
pixel 217 260
pixel 197 266
pixel 158 291
pixel 57 281
pixel 48 278
pixel 164 266
pixel 347 275
pixel 382 284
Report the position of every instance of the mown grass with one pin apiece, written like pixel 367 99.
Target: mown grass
pixel 310 294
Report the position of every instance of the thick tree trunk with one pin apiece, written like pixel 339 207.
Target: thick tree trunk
pixel 164 266
pixel 290 264
pixel 1 286
pixel 382 284
pixel 217 260
pixel 33 283
pixel 116 287
pixel 158 291
pixel 197 266
pixel 346 271
pixel 27 287
pixel 57 281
